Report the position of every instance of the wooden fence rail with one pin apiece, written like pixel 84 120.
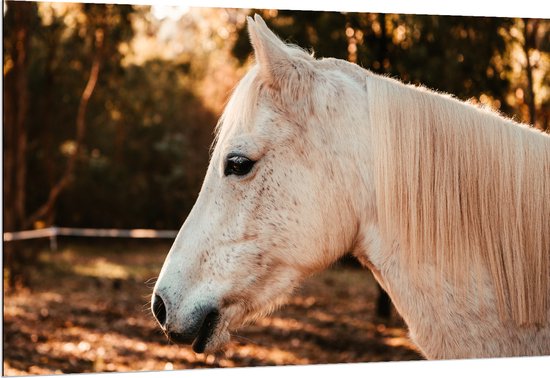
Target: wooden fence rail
pixel 53 232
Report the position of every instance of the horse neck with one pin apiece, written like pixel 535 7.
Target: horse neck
pixel 431 302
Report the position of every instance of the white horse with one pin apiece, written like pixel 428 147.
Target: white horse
pixel 447 203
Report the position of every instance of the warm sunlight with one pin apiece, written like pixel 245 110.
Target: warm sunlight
pixel 113 114
pixel 173 12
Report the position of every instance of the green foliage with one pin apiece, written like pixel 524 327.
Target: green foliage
pixel 147 152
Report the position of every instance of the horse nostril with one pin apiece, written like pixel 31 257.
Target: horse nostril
pixel 159 309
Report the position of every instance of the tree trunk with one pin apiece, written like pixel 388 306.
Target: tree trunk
pixel 383 43
pixel 47 131
pixel 16 108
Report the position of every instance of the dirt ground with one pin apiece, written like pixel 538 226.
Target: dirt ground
pixel 86 309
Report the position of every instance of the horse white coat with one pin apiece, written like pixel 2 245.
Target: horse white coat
pixel 307 166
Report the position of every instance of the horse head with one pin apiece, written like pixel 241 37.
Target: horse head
pixel 275 205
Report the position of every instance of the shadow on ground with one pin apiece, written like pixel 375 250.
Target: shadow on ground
pixel 87 310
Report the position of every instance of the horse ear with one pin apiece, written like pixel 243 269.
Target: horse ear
pixel 271 53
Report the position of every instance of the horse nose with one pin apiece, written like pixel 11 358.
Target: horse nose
pixel 159 310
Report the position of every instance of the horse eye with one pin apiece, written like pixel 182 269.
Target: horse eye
pixel 237 165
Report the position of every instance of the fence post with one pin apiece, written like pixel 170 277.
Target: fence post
pixel 53 239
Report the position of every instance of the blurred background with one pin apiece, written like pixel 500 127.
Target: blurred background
pixel 108 117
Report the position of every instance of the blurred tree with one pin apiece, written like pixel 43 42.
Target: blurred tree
pixel 90 138
pixel 45 211
pixel 16 109
pixel 528 50
pixel 530 28
pixel 97 133
pixel 33 64
pixel 147 160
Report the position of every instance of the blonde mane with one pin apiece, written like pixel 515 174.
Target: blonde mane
pixel 240 108
pixel 458 186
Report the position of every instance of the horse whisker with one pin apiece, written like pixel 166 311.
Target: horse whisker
pixel 242 338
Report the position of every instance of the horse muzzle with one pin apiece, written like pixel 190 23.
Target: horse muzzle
pixel 198 330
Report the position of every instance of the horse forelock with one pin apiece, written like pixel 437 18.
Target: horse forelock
pixel 241 107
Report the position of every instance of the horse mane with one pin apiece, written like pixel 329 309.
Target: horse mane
pixel 459 185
